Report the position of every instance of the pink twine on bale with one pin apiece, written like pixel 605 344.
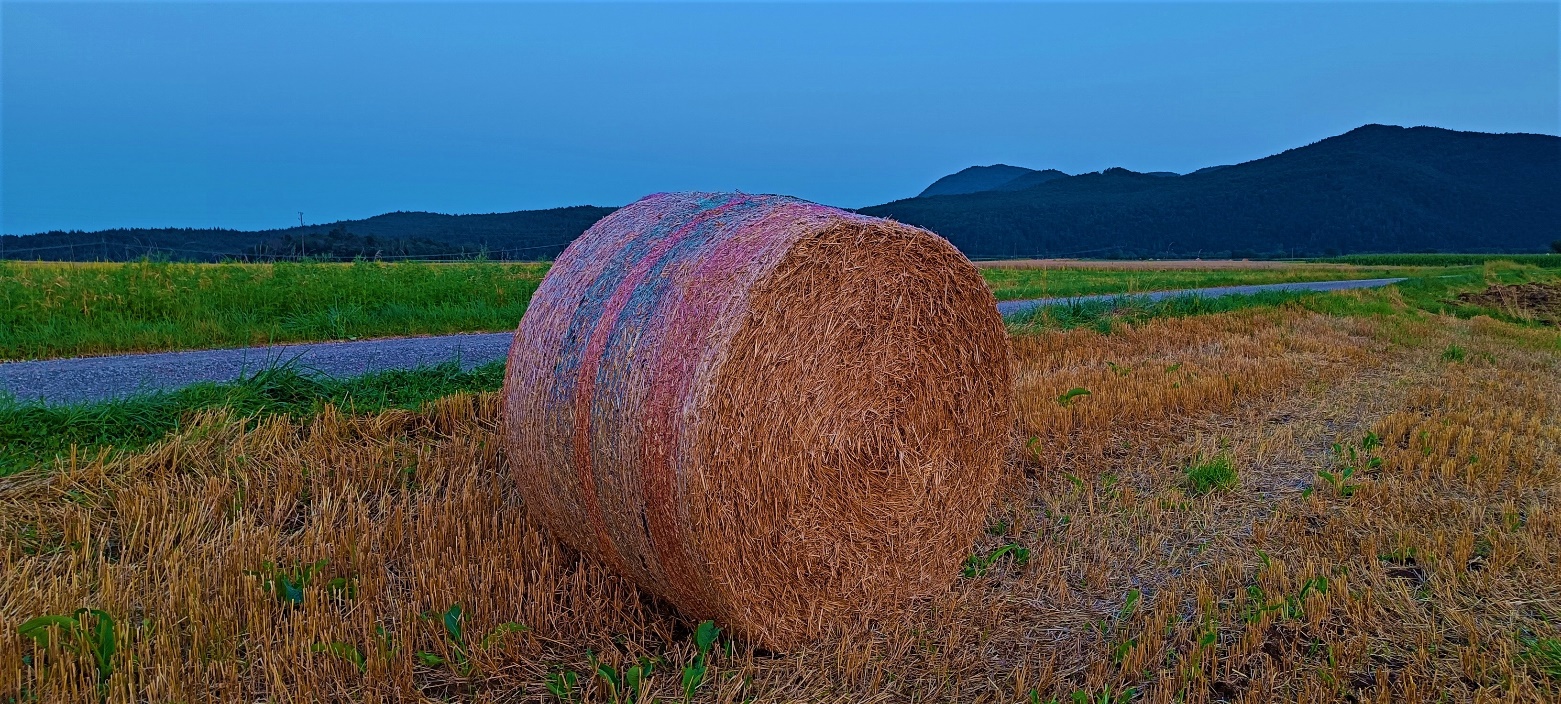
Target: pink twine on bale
pixel 766 411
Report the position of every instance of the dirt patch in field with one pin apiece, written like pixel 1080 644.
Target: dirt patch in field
pixel 1537 301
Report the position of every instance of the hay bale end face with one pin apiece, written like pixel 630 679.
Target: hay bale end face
pixel 768 412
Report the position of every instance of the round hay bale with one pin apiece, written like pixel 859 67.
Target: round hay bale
pixel 771 413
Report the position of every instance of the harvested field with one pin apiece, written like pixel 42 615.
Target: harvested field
pixel 1262 505
pixel 1537 301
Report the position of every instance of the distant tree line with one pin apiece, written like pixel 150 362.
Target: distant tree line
pixel 519 235
pixel 340 245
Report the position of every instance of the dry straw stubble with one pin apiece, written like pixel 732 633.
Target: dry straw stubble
pixel 768 412
pixel 420 511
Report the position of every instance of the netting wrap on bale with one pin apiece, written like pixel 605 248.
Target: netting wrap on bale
pixel 768 412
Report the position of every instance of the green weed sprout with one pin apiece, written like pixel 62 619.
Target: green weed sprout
pixel 562 684
pixel 1352 462
pixel 96 639
pixel 627 687
pixel 345 651
pixel 1074 393
pixel 454 621
pixel 978 565
pixel 694 673
pixel 288 585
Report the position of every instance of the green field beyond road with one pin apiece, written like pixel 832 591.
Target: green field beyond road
pixel 1017 284
pixel 65 310
pixel 50 310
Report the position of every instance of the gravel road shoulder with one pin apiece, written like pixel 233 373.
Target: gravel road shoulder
pixel 82 379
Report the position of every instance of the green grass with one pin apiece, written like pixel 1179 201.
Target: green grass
pixel 1210 475
pixel 1544 655
pixel 59 310
pixel 1017 284
pixel 1548 261
pixel 33 434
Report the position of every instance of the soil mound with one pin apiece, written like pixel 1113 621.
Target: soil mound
pixel 1537 301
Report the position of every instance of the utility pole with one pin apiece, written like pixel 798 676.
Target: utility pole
pixel 300 218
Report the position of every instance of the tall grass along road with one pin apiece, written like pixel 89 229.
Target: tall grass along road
pixel 67 381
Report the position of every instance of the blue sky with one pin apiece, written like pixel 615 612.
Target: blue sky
pixel 241 115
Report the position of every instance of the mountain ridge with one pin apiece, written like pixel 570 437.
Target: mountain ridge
pixel 1376 188
pixel 974 179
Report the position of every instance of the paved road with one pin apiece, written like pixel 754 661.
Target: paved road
pixel 65 381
